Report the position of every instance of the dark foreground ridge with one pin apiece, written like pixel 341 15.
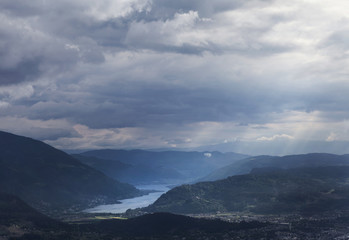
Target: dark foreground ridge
pixel 168 225
pixel 13 211
pixel 18 221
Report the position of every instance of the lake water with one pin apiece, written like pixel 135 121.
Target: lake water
pixel 132 203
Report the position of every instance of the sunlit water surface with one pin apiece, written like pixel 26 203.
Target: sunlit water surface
pixel 132 203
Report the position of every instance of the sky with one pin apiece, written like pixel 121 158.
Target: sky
pixel 250 76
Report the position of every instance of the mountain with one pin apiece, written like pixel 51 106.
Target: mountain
pixel 130 173
pixel 162 166
pixel 47 178
pixel 280 147
pixel 13 211
pixel 290 161
pixel 20 221
pixel 275 191
pixel 169 226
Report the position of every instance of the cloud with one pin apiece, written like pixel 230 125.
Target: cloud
pixel 240 31
pixel 37 37
pixel 276 137
pixel 167 8
pixel 155 73
pixel 42 130
pixel 169 35
pixel 24 71
pixel 332 137
pixel 4 104
pixel 28 53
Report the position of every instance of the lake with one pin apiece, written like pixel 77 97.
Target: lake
pixel 132 203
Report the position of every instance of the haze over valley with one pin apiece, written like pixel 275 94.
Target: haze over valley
pixel 187 119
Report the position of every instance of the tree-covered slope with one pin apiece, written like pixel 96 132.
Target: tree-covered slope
pixel 274 191
pixel 14 211
pixel 48 178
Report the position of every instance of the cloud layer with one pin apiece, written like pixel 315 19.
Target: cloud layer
pixel 159 74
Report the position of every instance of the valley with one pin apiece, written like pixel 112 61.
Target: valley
pixel 139 167
pixel 48 194
pixel 174 120
pixel 132 203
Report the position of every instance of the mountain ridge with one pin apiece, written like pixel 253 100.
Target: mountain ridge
pixel 297 190
pixel 244 166
pixel 183 166
pixel 48 178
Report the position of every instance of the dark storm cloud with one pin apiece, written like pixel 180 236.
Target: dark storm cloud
pixel 41 37
pixel 146 105
pixel 165 66
pixel 26 54
pixel 22 9
pixel 25 71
